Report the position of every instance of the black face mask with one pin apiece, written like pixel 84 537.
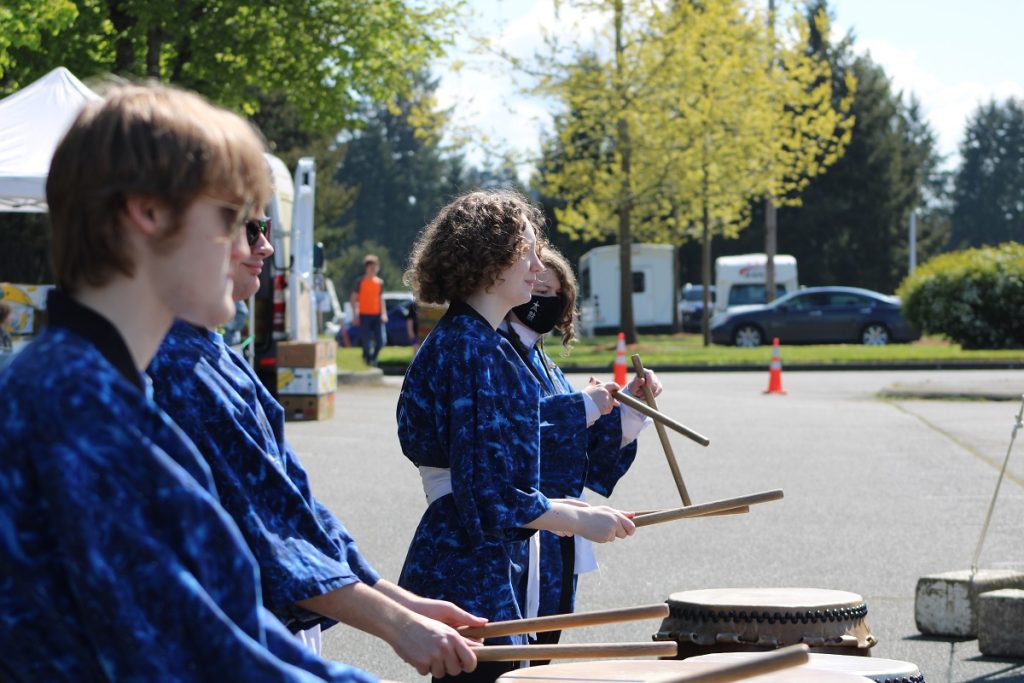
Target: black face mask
pixel 541 313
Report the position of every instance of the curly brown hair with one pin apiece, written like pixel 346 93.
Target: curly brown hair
pixel 468 245
pixel 556 263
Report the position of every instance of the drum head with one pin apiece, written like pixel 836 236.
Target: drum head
pixel 782 599
pixel 644 670
pixel 876 668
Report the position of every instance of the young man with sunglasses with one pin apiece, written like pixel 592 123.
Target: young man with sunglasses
pixel 313 573
pixel 117 561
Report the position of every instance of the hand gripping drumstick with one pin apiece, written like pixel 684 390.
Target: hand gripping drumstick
pixel 783 658
pixel 557 622
pixel 706 508
pixel 513 653
pixel 662 434
pixel 622 396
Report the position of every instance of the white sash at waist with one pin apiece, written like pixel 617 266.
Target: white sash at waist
pixel 437 483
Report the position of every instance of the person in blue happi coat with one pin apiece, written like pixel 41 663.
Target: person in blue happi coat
pixel 587 438
pixel 313 573
pixel 117 561
pixel 468 418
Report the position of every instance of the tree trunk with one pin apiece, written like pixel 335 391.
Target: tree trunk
pixel 705 269
pixel 154 41
pixel 770 247
pixel 124 50
pixel 625 209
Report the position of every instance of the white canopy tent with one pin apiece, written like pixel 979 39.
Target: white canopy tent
pixel 32 122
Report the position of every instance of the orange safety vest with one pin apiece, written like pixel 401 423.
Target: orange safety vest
pixel 369 295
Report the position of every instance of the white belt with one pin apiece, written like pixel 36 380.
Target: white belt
pixel 437 483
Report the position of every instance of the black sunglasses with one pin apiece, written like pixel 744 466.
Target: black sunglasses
pixel 254 227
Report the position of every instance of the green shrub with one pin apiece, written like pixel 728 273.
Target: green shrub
pixel 974 297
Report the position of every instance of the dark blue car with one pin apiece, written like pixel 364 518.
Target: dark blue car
pixel 816 315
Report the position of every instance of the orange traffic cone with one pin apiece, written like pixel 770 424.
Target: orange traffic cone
pixel 775 371
pixel 620 361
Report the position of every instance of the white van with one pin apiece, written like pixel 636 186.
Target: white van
pixel 654 305
pixel 740 280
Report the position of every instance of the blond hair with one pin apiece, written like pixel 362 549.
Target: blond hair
pixel 150 141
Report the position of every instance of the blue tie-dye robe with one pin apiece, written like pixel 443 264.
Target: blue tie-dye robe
pixel 469 404
pixel 572 457
pixel 116 561
pixel 215 397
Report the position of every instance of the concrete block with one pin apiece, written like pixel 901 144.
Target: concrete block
pixel 1001 623
pixel 947 604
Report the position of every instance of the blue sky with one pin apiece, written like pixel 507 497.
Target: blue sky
pixel 951 54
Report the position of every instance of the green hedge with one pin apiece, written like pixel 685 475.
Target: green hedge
pixel 974 297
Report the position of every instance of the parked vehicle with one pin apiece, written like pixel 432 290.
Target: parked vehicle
pixel 691 306
pixel 654 284
pixel 816 315
pixel 401 307
pixel 740 280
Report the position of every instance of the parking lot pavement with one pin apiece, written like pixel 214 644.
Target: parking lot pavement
pixel 878 492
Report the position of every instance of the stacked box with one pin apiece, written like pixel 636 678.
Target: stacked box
pixel 307 378
pixel 301 408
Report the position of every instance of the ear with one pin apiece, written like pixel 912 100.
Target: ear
pixel 145 214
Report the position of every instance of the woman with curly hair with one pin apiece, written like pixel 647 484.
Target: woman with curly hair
pixel 468 417
pixel 587 438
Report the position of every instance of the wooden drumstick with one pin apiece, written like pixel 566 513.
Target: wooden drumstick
pixel 622 396
pixel 739 510
pixel 776 660
pixel 557 622
pixel 705 508
pixel 513 653
pixel 662 434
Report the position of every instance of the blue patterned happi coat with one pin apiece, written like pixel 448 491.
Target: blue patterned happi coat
pixel 117 562
pixel 215 397
pixel 572 457
pixel 470 405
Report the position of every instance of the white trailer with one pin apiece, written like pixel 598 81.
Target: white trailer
pixel 740 280
pixel 654 289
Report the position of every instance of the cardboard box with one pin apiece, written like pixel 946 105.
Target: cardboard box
pixel 28 307
pixel 307 381
pixel 302 408
pixel 307 355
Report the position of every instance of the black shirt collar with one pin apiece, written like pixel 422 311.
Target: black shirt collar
pixel 459 307
pixel 63 311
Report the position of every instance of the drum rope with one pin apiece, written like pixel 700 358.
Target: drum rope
pixel 988 517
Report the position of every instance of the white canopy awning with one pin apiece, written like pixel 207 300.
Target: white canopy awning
pixel 32 122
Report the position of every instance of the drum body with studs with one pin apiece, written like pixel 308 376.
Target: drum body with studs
pixel 655 670
pixel 878 669
pixel 757 619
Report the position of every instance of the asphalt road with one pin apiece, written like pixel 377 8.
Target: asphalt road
pixel 877 494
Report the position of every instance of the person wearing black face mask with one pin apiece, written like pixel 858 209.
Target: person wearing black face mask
pixel 587 439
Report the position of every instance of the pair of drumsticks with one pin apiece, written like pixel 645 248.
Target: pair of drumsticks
pixel 726 506
pixel 773 661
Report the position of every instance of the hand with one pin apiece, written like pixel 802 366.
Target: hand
pixel 601 395
pixel 434 648
pixel 636 387
pixel 443 611
pixel 602 524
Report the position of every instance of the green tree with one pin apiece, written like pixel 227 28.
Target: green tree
pixel 852 225
pixel 989 185
pixel 398 167
pixel 323 58
pixel 671 134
